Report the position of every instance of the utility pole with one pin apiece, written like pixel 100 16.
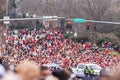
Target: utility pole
pixel 16 3
pixel 7 1
pixel 7 6
pixel 16 7
pixel 95 33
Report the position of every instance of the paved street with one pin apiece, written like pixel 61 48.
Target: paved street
pixel 89 78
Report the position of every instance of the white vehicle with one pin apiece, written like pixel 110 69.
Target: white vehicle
pixel 79 70
pixel 54 66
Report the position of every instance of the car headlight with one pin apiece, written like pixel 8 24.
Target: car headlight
pixel 97 73
pixel 73 75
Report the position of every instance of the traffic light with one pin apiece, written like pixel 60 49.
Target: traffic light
pixel 31 15
pixel 24 15
pixel 87 26
pixel 69 25
pixel 62 23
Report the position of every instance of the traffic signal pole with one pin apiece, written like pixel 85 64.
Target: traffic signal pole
pixel 7 8
pixel 7 1
pixel 23 19
pixel 103 22
pixel 80 20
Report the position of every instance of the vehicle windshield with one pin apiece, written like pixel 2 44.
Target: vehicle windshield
pixel 95 67
pixel 81 67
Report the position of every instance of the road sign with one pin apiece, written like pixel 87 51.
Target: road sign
pixel 27 14
pixel 80 20
pixel 6 18
pixel 75 34
pixel 34 15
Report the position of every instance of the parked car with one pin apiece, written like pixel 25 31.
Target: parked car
pixel 79 70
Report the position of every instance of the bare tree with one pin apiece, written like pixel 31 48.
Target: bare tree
pixel 97 10
pixel 88 9
pixel 2 8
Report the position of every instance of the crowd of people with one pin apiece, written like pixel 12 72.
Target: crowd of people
pixel 50 46
pixel 27 55
pixel 28 70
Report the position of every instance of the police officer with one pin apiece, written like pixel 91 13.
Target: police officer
pixel 92 72
pixel 87 72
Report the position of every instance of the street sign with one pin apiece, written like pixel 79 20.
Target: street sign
pixel 27 14
pixel 75 34
pixel 34 16
pixel 80 20
pixel 6 18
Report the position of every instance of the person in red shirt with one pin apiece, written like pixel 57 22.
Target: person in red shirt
pixel 60 35
pixel 35 41
pixel 107 51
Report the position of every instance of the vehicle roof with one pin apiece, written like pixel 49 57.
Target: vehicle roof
pixel 91 64
pixel 55 65
pixel 81 63
pixel 87 64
